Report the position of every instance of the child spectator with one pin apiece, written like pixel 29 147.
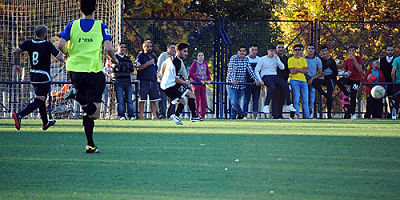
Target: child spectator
pixel 374 106
pixel 199 72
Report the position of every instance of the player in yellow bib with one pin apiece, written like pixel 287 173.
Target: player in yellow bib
pixel 86 37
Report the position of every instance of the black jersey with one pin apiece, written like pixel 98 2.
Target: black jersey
pixel 40 52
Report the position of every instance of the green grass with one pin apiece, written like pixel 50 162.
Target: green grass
pixel 296 159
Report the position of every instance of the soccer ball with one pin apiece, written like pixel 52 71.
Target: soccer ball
pixel 371 78
pixel 378 92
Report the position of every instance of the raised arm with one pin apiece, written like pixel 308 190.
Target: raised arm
pixel 110 51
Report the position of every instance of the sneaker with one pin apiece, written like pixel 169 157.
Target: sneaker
pixel 245 118
pixel 297 116
pixel 290 108
pixel 132 118
pixel 201 118
pixel 50 123
pixel 176 120
pixel 354 116
pixel 266 109
pixel 17 121
pixel 90 149
pixel 70 93
pixel 195 119
pixel 122 118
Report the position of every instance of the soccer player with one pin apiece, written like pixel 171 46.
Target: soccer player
pixel 40 51
pixel 176 88
pixel 85 64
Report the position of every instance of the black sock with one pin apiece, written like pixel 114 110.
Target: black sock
pixel 171 110
pixel 30 108
pixel 179 109
pixel 88 125
pixel 43 112
pixel 192 106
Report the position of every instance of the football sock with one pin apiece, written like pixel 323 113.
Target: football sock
pixel 192 106
pixel 88 125
pixel 29 108
pixel 43 112
pixel 171 109
pixel 179 109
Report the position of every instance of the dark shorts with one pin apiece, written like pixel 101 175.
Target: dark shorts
pixel 41 89
pixel 89 86
pixel 149 88
pixel 177 91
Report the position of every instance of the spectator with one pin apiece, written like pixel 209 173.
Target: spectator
pixel 162 104
pixel 278 97
pixel 238 68
pixel 386 65
pixel 395 98
pixel 328 79
pixel 314 72
pixel 121 76
pixel 252 91
pixel 374 106
pixel 353 66
pixel 266 68
pixel 298 68
pixel 146 74
pixel 199 72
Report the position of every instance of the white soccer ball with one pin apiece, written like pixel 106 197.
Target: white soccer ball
pixel 378 92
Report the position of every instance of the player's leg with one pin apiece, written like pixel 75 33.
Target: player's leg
pixel 192 105
pixel 90 87
pixel 41 92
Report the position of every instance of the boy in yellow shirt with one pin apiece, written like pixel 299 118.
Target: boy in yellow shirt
pixel 298 68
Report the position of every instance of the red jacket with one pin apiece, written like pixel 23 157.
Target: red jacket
pixel 199 73
pixel 369 87
pixel 349 66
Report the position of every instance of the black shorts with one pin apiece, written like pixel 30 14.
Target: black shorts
pixel 89 86
pixel 41 89
pixel 149 88
pixel 177 91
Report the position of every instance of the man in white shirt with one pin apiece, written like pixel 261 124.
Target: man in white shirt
pixel 266 70
pixel 175 87
pixel 162 104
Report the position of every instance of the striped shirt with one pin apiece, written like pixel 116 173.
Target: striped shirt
pixel 238 68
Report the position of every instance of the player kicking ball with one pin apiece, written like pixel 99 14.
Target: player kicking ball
pixel 175 87
pixel 40 51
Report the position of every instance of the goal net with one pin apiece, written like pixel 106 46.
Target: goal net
pixel 18 19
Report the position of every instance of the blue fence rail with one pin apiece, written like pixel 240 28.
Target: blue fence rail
pixel 224 111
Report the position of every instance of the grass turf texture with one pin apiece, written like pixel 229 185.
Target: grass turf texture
pixel 280 159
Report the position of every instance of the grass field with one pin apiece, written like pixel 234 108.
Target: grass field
pixel 254 159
